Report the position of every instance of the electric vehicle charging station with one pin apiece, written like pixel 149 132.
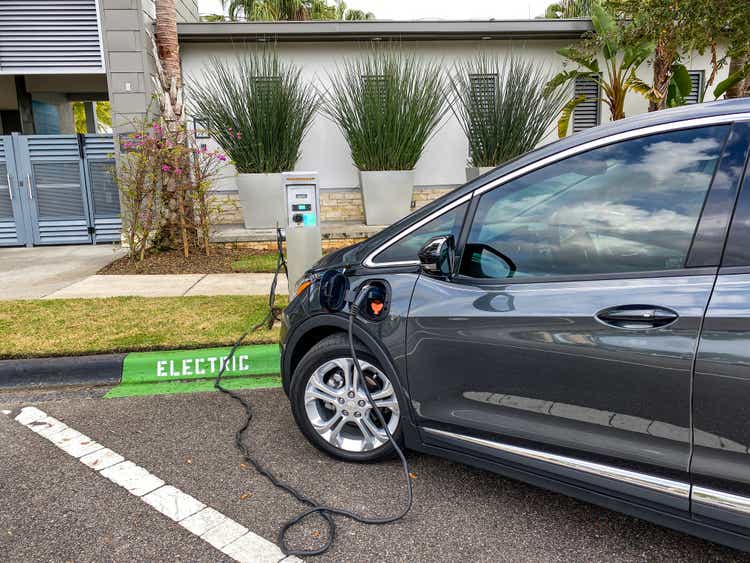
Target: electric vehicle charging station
pixel 302 201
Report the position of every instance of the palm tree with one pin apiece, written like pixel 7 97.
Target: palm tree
pixel 621 59
pixel 292 10
pixel 168 90
pixel 167 56
pixel 568 9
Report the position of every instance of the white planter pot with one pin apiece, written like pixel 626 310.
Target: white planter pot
pixel 386 195
pixel 476 171
pixel 262 199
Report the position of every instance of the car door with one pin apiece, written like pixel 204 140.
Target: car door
pixel 566 340
pixel 720 467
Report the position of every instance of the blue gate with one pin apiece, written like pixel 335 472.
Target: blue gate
pixel 62 189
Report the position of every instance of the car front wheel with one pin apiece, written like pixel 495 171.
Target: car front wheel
pixel 331 408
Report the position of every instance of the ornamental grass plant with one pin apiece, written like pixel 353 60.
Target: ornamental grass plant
pixel 502 106
pixel 387 104
pixel 257 108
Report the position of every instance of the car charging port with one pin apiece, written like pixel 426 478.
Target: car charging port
pixel 375 304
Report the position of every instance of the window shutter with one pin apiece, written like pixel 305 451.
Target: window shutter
pixel 586 114
pixel 696 78
pixel 374 85
pixel 483 93
pixel 49 37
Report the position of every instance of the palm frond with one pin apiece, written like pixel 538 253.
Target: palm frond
pixel 566 114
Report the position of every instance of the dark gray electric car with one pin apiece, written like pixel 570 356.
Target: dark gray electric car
pixel 578 318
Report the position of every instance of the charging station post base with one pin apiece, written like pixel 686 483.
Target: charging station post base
pixel 302 251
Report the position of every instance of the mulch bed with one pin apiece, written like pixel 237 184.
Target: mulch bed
pixel 173 262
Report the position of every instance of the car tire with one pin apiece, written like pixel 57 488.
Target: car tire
pixel 319 374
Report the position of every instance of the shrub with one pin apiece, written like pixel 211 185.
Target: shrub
pixel 157 160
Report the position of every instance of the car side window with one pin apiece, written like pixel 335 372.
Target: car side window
pixel 407 248
pixel 738 244
pixel 632 206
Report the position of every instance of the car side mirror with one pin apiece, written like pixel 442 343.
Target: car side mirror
pixel 438 255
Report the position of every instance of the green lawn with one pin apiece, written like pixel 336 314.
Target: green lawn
pixel 60 327
pixel 256 263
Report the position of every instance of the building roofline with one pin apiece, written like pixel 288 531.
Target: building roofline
pixel 382 29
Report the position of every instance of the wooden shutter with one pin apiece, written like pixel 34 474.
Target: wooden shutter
pixel 586 114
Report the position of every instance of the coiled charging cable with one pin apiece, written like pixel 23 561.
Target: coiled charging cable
pixel 326 512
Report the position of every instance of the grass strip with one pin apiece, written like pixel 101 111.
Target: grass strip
pixel 69 327
pixel 256 263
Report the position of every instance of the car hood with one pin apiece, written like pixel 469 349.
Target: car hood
pixel 340 258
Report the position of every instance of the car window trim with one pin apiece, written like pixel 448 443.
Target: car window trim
pixel 369 260
pixel 651 274
pixel 711 235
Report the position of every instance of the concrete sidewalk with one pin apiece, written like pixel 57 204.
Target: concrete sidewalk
pixel 32 273
pixel 171 286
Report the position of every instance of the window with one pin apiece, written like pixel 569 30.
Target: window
pixel 627 207
pixel 407 248
pixel 586 114
pixel 738 243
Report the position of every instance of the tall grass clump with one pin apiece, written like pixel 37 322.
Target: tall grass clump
pixel 502 106
pixel 257 108
pixel 387 104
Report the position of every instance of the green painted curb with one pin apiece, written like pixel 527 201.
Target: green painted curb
pixel 186 371
pixel 174 387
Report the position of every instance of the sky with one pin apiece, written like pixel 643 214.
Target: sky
pixel 432 9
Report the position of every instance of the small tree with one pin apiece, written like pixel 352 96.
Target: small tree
pixel 151 162
pixel 682 26
pixel 621 59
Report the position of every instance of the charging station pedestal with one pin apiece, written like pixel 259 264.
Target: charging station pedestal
pixel 303 247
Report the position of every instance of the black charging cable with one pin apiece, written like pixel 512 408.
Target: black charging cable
pixel 326 512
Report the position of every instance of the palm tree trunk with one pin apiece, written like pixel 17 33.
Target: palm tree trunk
pixel 168 85
pixel 739 89
pixel 664 57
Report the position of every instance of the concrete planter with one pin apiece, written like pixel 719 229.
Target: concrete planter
pixel 386 195
pixel 262 200
pixel 476 171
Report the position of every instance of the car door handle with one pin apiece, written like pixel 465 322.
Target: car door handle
pixel 637 316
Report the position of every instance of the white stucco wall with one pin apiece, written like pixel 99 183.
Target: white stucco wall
pixel 444 159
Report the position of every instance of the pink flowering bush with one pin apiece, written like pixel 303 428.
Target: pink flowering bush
pixel 165 179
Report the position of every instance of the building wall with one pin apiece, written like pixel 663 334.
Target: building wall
pixel 128 59
pixel 126 30
pixel 443 162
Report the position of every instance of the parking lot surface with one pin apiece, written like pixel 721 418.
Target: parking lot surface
pixel 53 508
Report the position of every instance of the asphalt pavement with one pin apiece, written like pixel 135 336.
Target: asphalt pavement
pixel 53 508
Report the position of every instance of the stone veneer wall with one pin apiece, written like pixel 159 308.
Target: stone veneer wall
pixel 336 205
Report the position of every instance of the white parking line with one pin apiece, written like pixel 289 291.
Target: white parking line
pixel 223 533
